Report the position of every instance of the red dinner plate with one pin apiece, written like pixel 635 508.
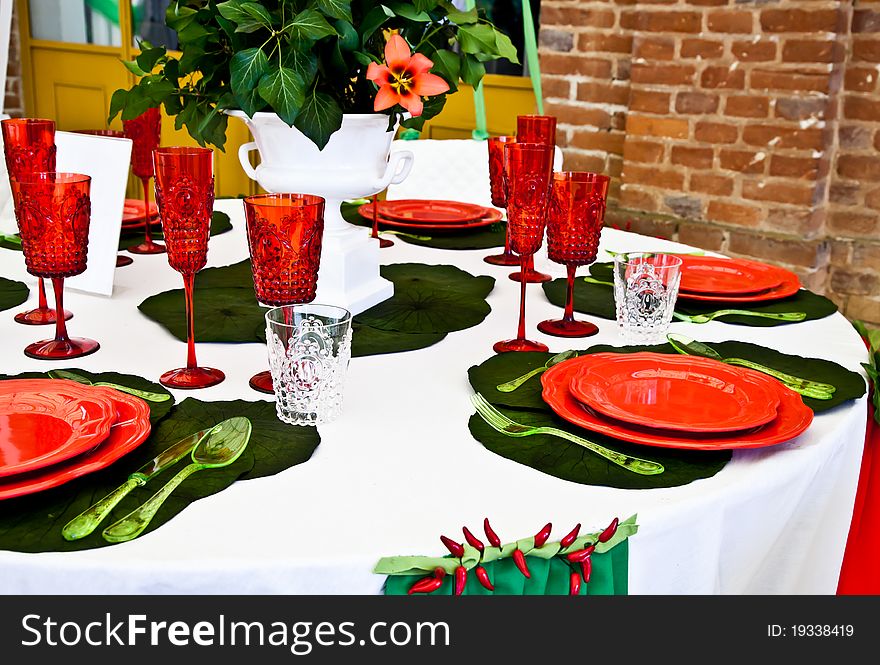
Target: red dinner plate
pixel 715 276
pixel 131 428
pixel 46 421
pixel 491 217
pixel 681 393
pixel 792 418
pixel 789 286
pixel 133 211
pixel 428 211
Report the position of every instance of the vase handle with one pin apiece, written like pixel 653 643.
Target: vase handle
pixel 245 162
pixel 398 169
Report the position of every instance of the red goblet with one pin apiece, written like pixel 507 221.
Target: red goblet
pixel 528 167
pixel 534 129
pixel 499 195
pixel 53 214
pixel 574 221
pixel 284 238
pixel 383 242
pixel 145 134
pixel 185 196
pixel 29 147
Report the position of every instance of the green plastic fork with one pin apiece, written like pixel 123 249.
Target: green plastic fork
pixel 705 318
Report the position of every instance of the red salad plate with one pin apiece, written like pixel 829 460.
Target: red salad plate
pixel 132 427
pixel 681 393
pixel 792 419
pixel 491 217
pixel 46 421
pixel 133 211
pixel 715 276
pixel 787 287
pixel 428 211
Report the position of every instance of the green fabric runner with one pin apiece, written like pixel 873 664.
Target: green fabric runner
pixel 12 293
pixel 33 523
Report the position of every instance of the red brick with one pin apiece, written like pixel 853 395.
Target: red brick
pixel 642 151
pixel 649 101
pixel 803 222
pixel 866 49
pixel 877 140
pixel 752 51
pixel 784 137
pixel 732 213
pixel 747 106
pixel 651 176
pixel 729 21
pixel 602 141
pixel 709 183
pixel 605 43
pixel 859 79
pixel 603 93
pixel 801 20
pixel 578 115
pixel 646 20
pixel 699 158
pixel 844 193
pixel 872 200
pixel 866 20
pixel 576 160
pixel 714 132
pixel 577 16
pixel 639 125
pixel 696 102
pixel 859 167
pixel 781 192
pixel 636 198
pixel 723 77
pixel 765 79
pixel 707 3
pixel 854 137
pixel 863 308
pixel 806 168
pixel 810 50
pixel 662 74
pixel 701 235
pixel 859 283
pixel 654 48
pixel 743 161
pixel 800 108
pixel 793 251
pixel 553 86
pixel 701 48
pixel 566 64
pixel 854 224
pixel 861 108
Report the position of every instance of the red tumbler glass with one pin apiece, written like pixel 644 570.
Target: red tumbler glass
pixel 499 195
pixel 529 167
pixel 145 132
pixel 29 147
pixel 185 196
pixel 284 237
pixel 574 222
pixel 53 214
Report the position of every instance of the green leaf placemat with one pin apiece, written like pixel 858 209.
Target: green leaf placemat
pixel 486 237
pixel 33 523
pixel 220 223
pixel 12 293
pixel 8 242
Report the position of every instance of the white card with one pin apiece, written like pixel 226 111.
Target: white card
pixel 7 214
pixel 106 159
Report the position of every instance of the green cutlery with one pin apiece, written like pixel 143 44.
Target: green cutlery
pixel 221 446
pixel 88 520
pixel 512 385
pixel 143 394
pixel 705 318
pixel 805 387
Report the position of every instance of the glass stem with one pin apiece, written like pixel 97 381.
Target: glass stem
pixel 521 334
pixel 60 324
pixel 44 304
pixel 530 266
pixel 568 317
pixel 507 251
pixel 188 283
pixel 375 233
pixel 146 184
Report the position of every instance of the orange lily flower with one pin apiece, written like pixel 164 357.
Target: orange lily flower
pixel 404 78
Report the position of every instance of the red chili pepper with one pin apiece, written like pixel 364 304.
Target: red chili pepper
pixel 452 546
pixel 609 531
pixel 460 580
pixel 473 541
pixel 426 585
pixel 542 535
pixel 569 539
pixel 439 573
pixel 483 578
pixel 490 534
pixel 579 555
pixel 520 560
pixel 587 568
pixel 574 584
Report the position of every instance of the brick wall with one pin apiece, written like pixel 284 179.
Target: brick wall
pixel 751 128
pixel 14 94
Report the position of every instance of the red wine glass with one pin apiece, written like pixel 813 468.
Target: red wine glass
pixel 29 147
pixel 284 238
pixel 528 167
pixel 499 195
pixel 185 195
pixel 534 129
pixel 145 132
pixel 53 213
pixel 574 221
pixel 383 242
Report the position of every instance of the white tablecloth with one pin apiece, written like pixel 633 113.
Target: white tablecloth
pixel 400 467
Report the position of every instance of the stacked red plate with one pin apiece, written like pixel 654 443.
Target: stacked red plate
pixel 711 279
pixel 430 215
pixel 674 401
pixel 54 430
pixel 133 214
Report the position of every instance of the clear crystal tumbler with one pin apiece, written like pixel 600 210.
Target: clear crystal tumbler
pixel 645 291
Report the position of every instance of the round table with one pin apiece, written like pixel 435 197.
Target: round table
pixel 399 467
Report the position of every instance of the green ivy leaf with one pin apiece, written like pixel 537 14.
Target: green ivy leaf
pixel 506 49
pixel 349 39
pixel 283 89
pixel 336 8
pixel 464 18
pixel 134 68
pixel 408 11
pixel 374 19
pixel 149 57
pixel 472 70
pixel 319 117
pixel 448 65
pixel 478 38
pixel 300 57
pixel 246 69
pixel 308 24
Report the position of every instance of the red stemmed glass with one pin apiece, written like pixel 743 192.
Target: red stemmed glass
pixel 185 196
pixel 383 242
pixel 534 129
pixel 29 147
pixel 284 238
pixel 53 213
pixel 574 221
pixel 145 134
pixel 528 167
pixel 499 195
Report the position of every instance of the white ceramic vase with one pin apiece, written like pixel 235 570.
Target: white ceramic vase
pixel 354 164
